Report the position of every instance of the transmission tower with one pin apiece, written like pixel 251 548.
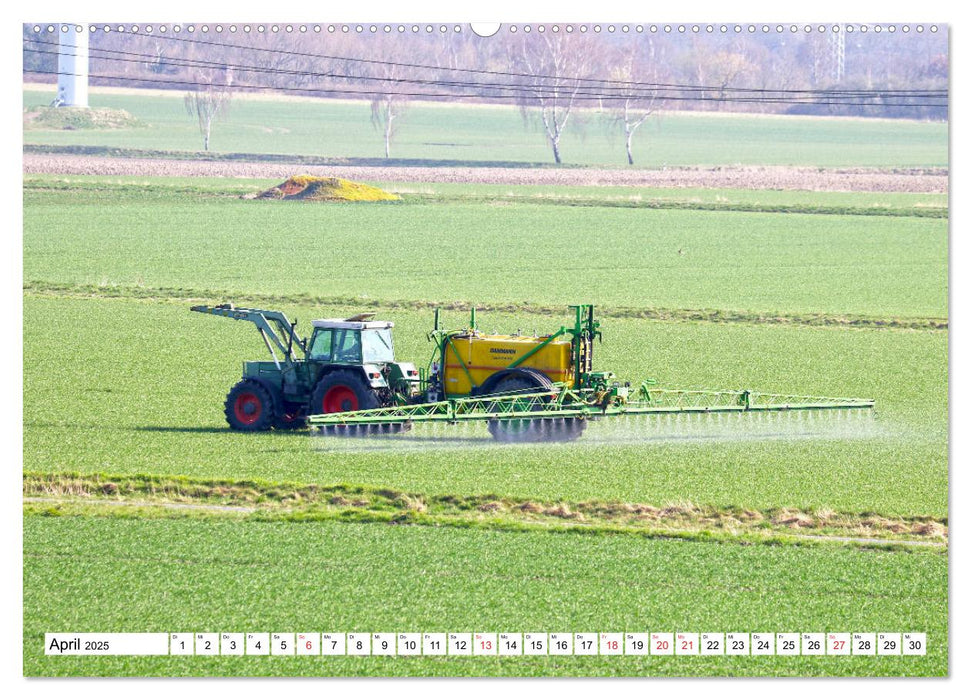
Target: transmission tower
pixel 837 48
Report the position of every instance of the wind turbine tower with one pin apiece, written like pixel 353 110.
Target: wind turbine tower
pixel 72 66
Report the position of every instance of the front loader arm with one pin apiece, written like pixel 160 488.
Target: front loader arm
pixel 283 337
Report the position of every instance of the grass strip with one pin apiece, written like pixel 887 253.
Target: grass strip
pixel 186 295
pixel 237 190
pixel 143 495
pixel 632 203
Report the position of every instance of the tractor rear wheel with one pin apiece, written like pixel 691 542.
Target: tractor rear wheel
pixel 342 391
pixel 249 407
pixel 345 390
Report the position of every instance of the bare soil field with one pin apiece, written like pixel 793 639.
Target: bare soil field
pixel 735 177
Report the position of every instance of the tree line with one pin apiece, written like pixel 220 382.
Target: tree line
pixel 547 74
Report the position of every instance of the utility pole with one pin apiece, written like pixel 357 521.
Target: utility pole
pixel 72 66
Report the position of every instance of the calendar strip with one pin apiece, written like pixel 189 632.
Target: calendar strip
pixel 383 644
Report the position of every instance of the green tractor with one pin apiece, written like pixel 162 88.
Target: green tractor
pixel 346 365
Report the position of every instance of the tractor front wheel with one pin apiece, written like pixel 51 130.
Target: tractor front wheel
pixel 249 407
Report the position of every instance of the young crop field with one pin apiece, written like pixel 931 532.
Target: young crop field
pixel 192 574
pixel 885 267
pixel 485 134
pixel 144 512
pixel 130 406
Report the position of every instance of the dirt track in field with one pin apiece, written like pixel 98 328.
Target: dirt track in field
pixel 728 177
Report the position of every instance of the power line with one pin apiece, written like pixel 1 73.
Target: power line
pixel 531 89
pixel 369 60
pixel 397 64
pixel 522 90
pixel 198 63
pixel 373 93
pixel 537 92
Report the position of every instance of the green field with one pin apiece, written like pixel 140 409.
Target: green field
pixel 128 408
pixel 839 294
pixel 478 134
pixel 164 575
pixel 455 250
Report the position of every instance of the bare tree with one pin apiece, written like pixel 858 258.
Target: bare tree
pixel 384 111
pixel 208 102
pixel 387 107
pixel 385 79
pixel 726 69
pixel 159 62
pixel 636 102
pixel 555 64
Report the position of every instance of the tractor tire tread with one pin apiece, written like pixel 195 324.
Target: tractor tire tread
pixel 267 418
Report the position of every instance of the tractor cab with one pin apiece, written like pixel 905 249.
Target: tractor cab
pixel 361 349
pixel 351 342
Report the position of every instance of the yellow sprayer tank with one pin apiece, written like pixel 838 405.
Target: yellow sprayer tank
pixel 484 355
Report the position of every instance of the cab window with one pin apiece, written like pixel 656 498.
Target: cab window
pixel 377 345
pixel 321 345
pixel 347 346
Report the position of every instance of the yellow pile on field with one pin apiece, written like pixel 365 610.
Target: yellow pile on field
pixel 326 189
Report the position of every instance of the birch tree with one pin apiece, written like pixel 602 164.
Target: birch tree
pixel 635 102
pixel 388 96
pixel 555 64
pixel 386 109
pixel 208 102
